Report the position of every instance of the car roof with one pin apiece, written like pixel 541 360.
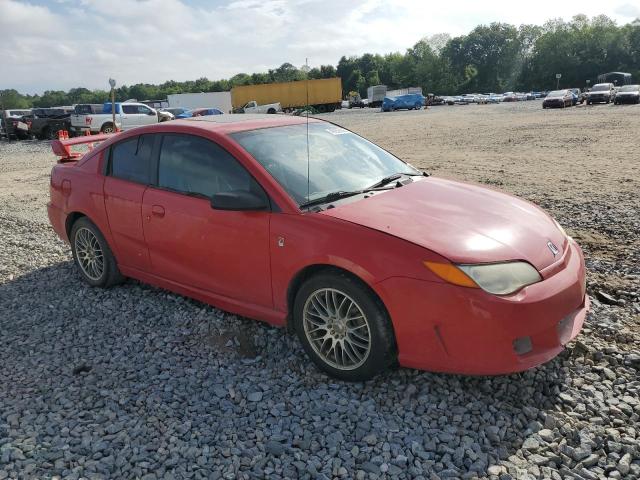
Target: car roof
pixel 231 123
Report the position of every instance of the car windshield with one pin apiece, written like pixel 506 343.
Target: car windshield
pixel 338 159
pixel 599 88
pixel 630 88
pixel 556 93
pixel 18 113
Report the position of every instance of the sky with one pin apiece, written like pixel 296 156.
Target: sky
pixel 60 44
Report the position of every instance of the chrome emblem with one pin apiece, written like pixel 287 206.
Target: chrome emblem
pixel 553 248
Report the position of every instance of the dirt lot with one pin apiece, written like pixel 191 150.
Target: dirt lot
pixel 136 382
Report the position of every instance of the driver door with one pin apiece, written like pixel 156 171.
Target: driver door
pixel 193 244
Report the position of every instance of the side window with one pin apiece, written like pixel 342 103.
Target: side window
pixel 129 108
pixel 131 159
pixel 193 164
pixel 144 110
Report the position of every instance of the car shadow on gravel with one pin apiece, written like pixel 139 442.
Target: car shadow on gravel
pixel 134 352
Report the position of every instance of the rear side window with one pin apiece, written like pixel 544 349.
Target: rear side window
pixel 191 164
pixel 131 159
pixel 129 109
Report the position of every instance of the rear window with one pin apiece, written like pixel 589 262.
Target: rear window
pixel 131 159
pixel 87 109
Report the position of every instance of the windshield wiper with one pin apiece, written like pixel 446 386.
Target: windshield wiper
pixel 331 197
pixel 392 178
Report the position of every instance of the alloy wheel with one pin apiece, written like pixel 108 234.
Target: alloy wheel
pixel 89 254
pixel 337 329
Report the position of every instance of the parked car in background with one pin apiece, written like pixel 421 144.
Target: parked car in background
pixel 412 101
pixel 510 97
pixel 455 277
pixel 601 93
pixel 627 94
pixel 175 111
pixel 14 124
pixel 199 112
pixel 128 115
pixel 558 99
pixel 469 98
pixel 253 107
pixel 165 116
pixel 45 123
pixel 576 95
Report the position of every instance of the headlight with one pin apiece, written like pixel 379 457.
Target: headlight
pixel 502 278
pixel 496 278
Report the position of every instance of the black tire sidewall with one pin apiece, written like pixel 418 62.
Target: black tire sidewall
pixel 110 273
pixel 383 349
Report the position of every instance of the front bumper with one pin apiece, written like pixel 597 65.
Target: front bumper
pixel 446 328
pixel 627 99
pixel 553 103
pixel 599 98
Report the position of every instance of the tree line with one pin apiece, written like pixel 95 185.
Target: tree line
pixel 491 58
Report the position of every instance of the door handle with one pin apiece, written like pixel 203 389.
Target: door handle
pixel 157 211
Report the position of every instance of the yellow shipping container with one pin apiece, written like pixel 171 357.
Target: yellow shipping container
pixel 324 94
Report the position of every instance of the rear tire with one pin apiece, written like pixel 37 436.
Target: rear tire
pixel 92 255
pixel 107 128
pixel 271 111
pixel 349 338
pixel 50 134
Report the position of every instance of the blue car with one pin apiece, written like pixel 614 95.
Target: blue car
pixel 408 102
pixel 199 112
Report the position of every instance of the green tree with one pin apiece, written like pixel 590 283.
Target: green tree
pixel 10 98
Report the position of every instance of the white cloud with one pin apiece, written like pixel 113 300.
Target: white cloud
pixel 59 44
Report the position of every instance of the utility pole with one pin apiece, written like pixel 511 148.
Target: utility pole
pixel 112 83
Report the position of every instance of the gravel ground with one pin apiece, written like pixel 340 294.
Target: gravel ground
pixel 136 382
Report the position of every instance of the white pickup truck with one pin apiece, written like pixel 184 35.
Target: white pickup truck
pixel 98 118
pixel 253 107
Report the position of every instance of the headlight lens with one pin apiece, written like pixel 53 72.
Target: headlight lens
pixel 502 278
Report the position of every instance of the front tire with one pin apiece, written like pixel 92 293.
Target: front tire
pixel 343 327
pixel 92 255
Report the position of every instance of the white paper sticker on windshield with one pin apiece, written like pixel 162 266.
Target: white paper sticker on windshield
pixel 337 131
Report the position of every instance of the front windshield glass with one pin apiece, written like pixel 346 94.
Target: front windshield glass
pixel 556 93
pixel 599 88
pixel 338 159
pixel 630 88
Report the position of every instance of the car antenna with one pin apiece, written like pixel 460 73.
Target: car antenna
pixel 306 62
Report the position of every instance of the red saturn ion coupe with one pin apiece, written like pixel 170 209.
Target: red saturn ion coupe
pixel 309 225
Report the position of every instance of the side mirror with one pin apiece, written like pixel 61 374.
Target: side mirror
pixel 239 200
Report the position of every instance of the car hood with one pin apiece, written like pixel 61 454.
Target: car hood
pixel 463 222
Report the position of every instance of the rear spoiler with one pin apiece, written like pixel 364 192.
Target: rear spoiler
pixel 62 147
